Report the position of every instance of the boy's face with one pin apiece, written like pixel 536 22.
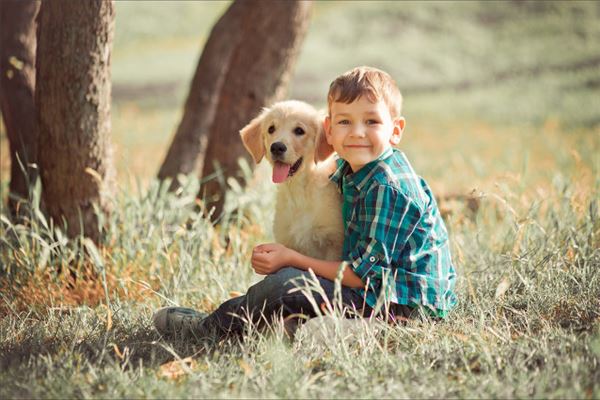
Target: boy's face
pixel 362 130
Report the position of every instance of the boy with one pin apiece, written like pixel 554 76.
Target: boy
pixel 396 248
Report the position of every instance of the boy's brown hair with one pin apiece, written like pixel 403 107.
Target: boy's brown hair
pixel 371 82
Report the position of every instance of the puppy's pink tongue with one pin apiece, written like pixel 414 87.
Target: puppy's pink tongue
pixel 280 172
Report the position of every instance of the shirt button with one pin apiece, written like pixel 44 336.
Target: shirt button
pixel 372 259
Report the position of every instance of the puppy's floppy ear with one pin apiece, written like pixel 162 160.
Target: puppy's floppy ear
pixel 322 148
pixel 251 138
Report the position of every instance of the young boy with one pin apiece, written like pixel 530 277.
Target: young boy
pixel 396 249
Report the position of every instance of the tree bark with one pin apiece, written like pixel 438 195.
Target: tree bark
pixel 186 152
pixel 258 74
pixel 17 88
pixel 73 102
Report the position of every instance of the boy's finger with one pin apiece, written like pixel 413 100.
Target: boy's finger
pixel 255 262
pixel 262 257
pixel 264 247
pixel 261 264
pixel 267 247
pixel 258 270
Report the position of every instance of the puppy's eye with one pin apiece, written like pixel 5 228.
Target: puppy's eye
pixel 271 129
pixel 299 131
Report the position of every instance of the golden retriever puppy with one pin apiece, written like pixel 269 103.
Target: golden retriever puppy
pixel 308 216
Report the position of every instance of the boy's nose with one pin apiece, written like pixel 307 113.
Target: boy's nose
pixel 358 130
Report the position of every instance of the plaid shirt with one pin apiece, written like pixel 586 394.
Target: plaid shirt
pixel 394 234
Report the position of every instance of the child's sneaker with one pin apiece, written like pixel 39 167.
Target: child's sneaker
pixel 178 321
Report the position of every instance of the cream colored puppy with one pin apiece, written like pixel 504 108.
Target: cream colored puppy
pixel 308 216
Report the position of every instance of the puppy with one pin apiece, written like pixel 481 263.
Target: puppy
pixel 308 216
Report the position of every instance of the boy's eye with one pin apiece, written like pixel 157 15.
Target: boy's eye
pixel 343 122
pixel 271 129
pixel 299 131
pixel 372 122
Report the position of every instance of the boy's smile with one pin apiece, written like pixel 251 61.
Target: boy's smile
pixel 362 130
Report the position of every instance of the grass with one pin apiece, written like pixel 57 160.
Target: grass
pixel 523 135
pixel 527 324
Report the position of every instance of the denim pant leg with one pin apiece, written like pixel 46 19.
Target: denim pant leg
pixel 272 296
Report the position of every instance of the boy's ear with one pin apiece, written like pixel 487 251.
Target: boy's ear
pixel 399 124
pixel 322 147
pixel 251 138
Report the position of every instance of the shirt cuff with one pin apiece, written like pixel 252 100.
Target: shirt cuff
pixel 362 266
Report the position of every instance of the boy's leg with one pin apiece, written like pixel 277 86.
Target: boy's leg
pixel 186 322
pixel 271 297
pixel 276 294
pixel 267 299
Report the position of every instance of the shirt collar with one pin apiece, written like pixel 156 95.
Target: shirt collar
pixel 360 178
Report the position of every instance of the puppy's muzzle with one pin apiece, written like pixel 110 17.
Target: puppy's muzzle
pixel 278 150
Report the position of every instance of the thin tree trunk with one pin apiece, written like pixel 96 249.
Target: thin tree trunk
pixel 186 152
pixel 17 88
pixel 258 75
pixel 73 102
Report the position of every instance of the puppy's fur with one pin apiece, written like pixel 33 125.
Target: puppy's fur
pixel 308 216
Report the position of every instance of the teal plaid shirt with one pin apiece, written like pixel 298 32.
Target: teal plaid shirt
pixel 394 234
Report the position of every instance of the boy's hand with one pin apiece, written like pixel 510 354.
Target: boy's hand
pixel 270 258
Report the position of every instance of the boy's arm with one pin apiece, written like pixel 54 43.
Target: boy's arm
pixel 327 269
pixel 389 220
pixel 269 258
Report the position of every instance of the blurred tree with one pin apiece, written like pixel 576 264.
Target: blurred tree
pixel 73 103
pixel 257 75
pixel 17 88
pixel 186 152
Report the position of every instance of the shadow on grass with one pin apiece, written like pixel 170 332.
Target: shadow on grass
pixel 128 349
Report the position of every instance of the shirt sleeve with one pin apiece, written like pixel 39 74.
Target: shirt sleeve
pixel 386 221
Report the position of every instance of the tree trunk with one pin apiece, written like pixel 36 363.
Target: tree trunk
pixel 73 102
pixel 17 88
pixel 258 74
pixel 191 138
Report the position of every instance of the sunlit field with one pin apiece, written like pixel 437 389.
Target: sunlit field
pixel 503 121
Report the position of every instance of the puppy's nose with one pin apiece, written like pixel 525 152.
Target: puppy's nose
pixel 278 148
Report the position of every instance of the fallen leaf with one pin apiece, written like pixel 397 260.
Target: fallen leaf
pixel 245 367
pixel 177 368
pixel 502 287
pixel 571 254
pixel 461 337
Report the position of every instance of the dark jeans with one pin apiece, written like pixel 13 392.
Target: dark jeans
pixel 271 297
